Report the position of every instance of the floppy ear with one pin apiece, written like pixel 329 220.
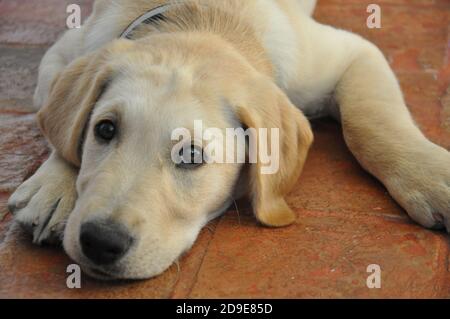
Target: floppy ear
pixel 268 107
pixel 72 98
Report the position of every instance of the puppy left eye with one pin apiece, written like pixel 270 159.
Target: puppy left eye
pixel 105 130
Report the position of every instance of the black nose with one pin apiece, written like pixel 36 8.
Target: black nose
pixel 104 242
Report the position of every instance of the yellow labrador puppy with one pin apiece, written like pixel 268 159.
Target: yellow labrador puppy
pixel 113 92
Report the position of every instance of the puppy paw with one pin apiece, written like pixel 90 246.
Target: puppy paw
pixel 423 188
pixel 42 204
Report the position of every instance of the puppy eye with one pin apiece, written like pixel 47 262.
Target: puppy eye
pixel 105 130
pixel 191 157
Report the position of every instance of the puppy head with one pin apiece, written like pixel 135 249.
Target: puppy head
pixel 113 114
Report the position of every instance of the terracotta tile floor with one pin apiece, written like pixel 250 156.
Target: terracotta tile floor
pixel 346 219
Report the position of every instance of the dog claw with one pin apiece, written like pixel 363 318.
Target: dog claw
pixel 16 206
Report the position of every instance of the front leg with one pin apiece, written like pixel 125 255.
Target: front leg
pixel 44 202
pixel 380 132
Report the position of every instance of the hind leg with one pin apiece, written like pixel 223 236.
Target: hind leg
pixel 378 128
pixel 381 133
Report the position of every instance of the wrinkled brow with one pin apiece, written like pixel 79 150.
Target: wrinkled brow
pixel 104 87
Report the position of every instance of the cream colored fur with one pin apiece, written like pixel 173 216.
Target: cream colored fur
pixel 254 58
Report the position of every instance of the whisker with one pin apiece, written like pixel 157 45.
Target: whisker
pixel 210 229
pixel 237 211
pixel 177 263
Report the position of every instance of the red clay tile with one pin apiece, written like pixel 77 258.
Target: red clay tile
pixel 446 111
pixel 18 77
pixel 22 149
pixel 333 180
pixel 32 272
pixel 27 271
pixel 35 22
pixel 411 3
pixel 5 217
pixel 427 103
pixel 324 255
pixel 191 262
pixel 411 37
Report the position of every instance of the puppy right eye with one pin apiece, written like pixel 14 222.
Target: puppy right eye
pixel 191 157
pixel 105 130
